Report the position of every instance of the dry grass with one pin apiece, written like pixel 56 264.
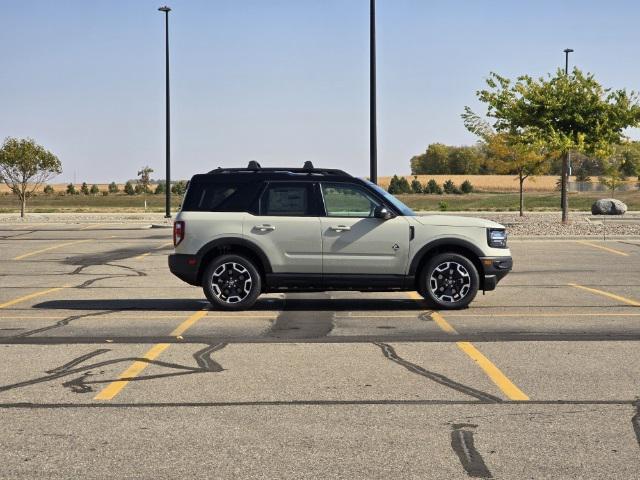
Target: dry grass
pixel 62 187
pixel 488 183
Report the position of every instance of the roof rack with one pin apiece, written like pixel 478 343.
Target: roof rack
pixel 307 168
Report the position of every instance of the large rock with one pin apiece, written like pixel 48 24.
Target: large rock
pixel 608 206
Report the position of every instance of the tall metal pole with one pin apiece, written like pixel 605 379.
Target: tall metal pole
pixel 564 197
pixel 373 133
pixel 167 184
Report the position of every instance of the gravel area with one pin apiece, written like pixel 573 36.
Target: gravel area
pixel 536 224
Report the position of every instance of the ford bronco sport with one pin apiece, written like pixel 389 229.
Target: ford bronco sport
pixel 245 231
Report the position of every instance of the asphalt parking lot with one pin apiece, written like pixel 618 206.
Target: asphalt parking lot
pixel 113 367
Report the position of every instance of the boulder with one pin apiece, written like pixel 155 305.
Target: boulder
pixel 608 206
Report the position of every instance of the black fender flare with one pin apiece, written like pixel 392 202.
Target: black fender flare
pixel 234 242
pixel 443 242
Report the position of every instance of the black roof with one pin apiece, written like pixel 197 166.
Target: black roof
pixel 254 168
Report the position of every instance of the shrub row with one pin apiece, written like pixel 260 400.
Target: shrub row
pixel 399 185
pixel 177 188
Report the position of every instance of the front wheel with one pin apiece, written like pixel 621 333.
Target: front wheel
pixel 449 280
pixel 231 282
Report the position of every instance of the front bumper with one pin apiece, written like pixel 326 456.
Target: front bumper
pixel 494 270
pixel 185 267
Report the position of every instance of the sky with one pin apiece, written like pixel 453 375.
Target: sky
pixel 279 81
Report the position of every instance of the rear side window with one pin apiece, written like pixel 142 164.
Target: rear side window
pixel 286 199
pixel 219 197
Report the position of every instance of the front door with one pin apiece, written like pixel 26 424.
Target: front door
pixel 354 241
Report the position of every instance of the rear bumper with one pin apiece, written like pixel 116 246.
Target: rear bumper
pixel 185 267
pixel 494 270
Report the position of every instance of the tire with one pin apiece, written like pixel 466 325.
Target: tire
pixel 231 282
pixel 449 281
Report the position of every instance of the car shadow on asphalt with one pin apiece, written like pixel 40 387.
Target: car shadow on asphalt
pixel 288 304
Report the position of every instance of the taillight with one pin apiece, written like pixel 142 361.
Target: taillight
pixel 178 233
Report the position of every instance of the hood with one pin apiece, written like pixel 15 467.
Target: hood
pixel 456 221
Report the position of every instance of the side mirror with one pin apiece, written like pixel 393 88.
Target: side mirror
pixel 383 212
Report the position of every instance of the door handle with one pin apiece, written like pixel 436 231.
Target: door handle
pixel 340 228
pixel 265 228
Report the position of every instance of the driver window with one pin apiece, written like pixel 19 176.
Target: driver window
pixel 342 200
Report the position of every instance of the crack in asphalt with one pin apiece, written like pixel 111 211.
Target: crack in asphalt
pixel 464 447
pixel 60 323
pixel 80 385
pixel 390 353
pixel 635 421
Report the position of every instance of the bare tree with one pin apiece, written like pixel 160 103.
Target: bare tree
pixel 25 166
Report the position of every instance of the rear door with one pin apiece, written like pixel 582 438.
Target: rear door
pixel 354 241
pixel 287 227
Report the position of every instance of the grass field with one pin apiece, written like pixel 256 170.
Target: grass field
pixel 534 201
pixel 87 203
pixel 500 202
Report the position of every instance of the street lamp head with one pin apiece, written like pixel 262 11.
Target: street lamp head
pixel 165 9
pixel 568 50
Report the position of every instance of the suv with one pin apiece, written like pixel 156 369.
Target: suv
pixel 245 231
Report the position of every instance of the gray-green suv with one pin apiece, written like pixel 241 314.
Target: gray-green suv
pixel 245 231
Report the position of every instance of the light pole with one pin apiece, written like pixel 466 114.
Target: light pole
pixel 373 134
pixel 564 197
pixel 167 184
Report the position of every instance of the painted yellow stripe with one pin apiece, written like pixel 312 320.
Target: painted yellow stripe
pixel 115 387
pixel 628 301
pixel 607 249
pixel 505 315
pixel 60 245
pixel 188 323
pixel 500 379
pixel 31 295
pixel 443 324
pixel 130 373
pixel 141 257
pixel 92 226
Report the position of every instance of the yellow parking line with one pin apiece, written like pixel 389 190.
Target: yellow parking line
pixel 60 245
pixel 91 226
pixel 141 257
pixel 130 373
pixel 31 295
pixel 493 372
pixel 610 250
pixel 628 301
pixel 505 315
pixel 500 379
pixel 111 390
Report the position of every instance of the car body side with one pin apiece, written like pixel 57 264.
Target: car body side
pixel 298 254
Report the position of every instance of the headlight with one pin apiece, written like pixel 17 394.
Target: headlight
pixel 497 237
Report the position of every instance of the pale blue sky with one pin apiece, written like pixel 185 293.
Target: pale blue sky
pixel 279 81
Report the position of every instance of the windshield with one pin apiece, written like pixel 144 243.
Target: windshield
pixel 393 200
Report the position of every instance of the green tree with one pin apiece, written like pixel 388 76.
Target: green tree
pixel 449 186
pixel 128 188
pixel 179 188
pixel 71 189
pixel 399 185
pixel 160 189
pixel 433 187
pixel 94 189
pixel 84 189
pixel 113 187
pixel 416 186
pixel 48 189
pixel 560 113
pixel 25 166
pixel 434 161
pixel 143 182
pixel 465 160
pixel 466 187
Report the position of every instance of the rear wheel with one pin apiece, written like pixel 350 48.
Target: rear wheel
pixel 231 282
pixel 449 281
